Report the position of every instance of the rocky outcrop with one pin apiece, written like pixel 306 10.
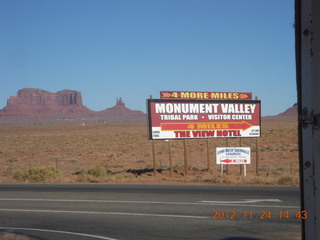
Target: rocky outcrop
pixel 292 111
pixel 31 101
pixel 120 109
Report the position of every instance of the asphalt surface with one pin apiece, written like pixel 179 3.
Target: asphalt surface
pixel 134 211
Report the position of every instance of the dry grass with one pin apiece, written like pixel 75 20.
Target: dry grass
pixel 119 147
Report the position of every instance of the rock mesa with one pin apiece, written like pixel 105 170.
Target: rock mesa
pixel 31 101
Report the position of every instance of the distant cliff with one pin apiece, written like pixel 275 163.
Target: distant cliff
pixel 39 103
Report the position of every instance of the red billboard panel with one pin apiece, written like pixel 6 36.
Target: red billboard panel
pixel 206 95
pixel 176 119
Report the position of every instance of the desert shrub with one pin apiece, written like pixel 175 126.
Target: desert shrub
pixel 149 166
pixel 10 161
pixel 294 149
pixel 37 174
pixel 217 179
pixel 273 179
pixel 178 165
pixel 95 174
pixel 120 177
pixel 287 179
pixel 259 180
pixel 97 171
pixel 140 161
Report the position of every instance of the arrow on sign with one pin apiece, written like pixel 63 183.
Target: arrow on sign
pixel 205 126
pixel 239 125
pixel 233 161
pixel 226 160
pixel 165 95
pixel 243 96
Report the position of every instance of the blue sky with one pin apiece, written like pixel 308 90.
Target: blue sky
pixel 137 48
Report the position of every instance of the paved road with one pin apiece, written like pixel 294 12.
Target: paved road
pixel 133 211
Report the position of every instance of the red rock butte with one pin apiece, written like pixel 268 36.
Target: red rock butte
pixel 120 109
pixel 292 111
pixel 37 102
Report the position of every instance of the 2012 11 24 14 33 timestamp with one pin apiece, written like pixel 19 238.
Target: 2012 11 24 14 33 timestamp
pixel 262 214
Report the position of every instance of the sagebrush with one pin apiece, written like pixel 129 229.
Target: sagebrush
pixel 37 175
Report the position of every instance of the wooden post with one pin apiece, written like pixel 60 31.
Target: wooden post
pixel 227 165
pixel 154 158
pixel 153 155
pixel 170 158
pixel 257 157
pixel 241 167
pixel 208 155
pixel 185 157
pixel 257 154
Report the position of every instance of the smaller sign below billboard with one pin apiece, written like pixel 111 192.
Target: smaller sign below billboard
pixel 206 95
pixel 233 155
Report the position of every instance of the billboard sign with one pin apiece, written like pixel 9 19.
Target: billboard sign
pixel 206 95
pixel 233 155
pixel 176 119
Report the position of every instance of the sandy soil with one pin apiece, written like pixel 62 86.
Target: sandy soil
pixel 122 148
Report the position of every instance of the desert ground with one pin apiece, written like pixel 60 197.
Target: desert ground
pixel 119 151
